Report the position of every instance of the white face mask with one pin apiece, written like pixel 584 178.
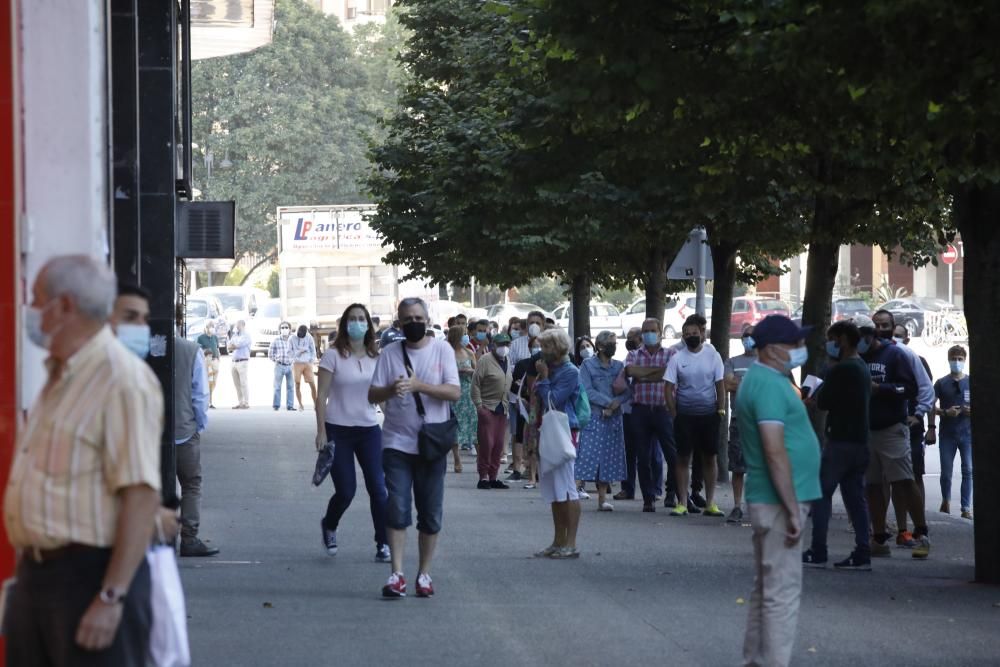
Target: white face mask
pixel 502 352
pixel 586 352
pixel 534 330
pixel 899 340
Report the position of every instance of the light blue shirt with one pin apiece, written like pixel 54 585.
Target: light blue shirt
pixel 303 349
pixel 241 346
pixel 199 394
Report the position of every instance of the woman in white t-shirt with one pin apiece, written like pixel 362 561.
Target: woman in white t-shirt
pixel 344 415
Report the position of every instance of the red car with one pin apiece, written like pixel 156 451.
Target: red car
pixel 749 310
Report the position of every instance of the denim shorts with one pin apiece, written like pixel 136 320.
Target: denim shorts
pixel 408 476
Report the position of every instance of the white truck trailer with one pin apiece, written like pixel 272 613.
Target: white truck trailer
pixel 329 257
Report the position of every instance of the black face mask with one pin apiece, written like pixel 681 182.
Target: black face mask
pixel 415 331
pixel 884 335
pixel 610 349
pixel 692 342
pixel 631 345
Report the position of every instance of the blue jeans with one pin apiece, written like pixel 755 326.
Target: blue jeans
pixel 950 442
pixel 410 476
pixel 283 372
pixel 363 443
pixel 844 464
pixel 651 425
pixel 632 460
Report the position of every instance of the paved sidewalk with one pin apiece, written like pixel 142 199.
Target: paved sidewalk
pixel 649 589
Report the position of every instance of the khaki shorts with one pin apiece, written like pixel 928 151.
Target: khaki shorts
pixel 890 455
pixel 211 367
pixel 300 369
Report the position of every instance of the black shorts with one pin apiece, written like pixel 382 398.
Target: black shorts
pixel 917 449
pixel 736 460
pixel 697 433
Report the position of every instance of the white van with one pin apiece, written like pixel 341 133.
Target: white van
pixel 240 303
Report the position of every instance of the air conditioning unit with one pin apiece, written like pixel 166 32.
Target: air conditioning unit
pixel 205 229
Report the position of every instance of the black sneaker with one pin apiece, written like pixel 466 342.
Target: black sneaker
pixel 196 548
pixel 670 501
pixel 648 507
pixel 483 484
pixel 497 484
pixel 692 507
pixel 515 477
pixel 329 539
pixel 855 562
pixel 812 559
pixel 697 499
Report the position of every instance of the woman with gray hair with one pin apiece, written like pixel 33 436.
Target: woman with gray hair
pixel 602 442
pixel 557 388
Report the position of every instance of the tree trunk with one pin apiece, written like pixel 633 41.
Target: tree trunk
pixel 443 291
pixel 976 214
pixel 724 265
pixel 581 304
pixel 821 274
pixel 656 285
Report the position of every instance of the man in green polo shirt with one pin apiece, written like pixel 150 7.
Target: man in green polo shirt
pixel 782 459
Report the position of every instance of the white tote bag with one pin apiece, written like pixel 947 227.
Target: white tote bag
pixel 555 443
pixel 168 642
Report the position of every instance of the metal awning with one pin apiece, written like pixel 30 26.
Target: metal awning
pixel 225 27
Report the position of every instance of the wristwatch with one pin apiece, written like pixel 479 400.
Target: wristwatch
pixel 111 596
pixel 722 413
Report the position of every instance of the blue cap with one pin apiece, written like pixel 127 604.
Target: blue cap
pixel 778 329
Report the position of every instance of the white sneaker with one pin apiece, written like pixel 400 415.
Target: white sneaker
pixel 503 460
pixel 606 507
pixel 583 494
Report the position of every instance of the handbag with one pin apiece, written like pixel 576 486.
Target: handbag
pixel 324 463
pixel 555 442
pixel 434 441
pixel 168 638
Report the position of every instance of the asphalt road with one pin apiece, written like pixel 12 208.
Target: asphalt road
pixel 648 589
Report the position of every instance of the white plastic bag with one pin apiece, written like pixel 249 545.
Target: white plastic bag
pixel 555 442
pixel 168 642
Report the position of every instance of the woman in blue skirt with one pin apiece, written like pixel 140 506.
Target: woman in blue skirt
pixel 601 458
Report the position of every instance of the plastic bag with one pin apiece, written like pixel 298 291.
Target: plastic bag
pixel 168 641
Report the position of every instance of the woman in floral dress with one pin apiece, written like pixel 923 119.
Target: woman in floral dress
pixel 465 410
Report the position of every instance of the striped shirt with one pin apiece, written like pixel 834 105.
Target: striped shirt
pixel 648 393
pixel 94 430
pixel 280 351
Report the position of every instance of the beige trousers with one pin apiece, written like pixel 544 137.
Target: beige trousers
pixel 242 381
pixel 777 586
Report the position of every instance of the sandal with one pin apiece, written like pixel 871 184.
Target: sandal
pixel 564 553
pixel 547 552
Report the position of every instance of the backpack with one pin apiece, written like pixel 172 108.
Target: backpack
pixel 582 407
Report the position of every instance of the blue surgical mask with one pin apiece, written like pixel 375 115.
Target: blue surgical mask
pixel 135 337
pixel 749 344
pixel 586 353
pixel 864 346
pixel 796 357
pixel 356 330
pixel 899 340
pixel 480 336
pixel 957 366
pixel 465 339
pixel 515 334
pixel 33 327
pixel 536 350
pixel 650 338
pixel 832 350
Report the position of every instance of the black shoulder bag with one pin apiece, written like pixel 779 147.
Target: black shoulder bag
pixel 434 441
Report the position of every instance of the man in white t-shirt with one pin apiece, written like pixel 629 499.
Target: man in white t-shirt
pixel 409 479
pixel 698 406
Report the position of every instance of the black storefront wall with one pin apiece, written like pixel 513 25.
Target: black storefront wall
pixel 143 75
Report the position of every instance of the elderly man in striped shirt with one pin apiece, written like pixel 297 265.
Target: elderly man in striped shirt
pixel 84 488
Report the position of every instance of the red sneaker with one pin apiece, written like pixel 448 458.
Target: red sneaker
pixel 396 586
pixel 425 587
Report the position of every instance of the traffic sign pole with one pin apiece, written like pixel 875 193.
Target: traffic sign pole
pixel 699 305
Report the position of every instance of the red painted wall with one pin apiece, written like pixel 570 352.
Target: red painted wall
pixel 9 261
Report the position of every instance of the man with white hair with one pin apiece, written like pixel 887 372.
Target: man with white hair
pixel 84 488
pixel 239 345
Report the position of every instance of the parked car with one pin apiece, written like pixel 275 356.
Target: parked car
pixel 841 309
pixel 678 308
pixel 202 310
pixel 909 311
pixel 749 310
pixel 441 310
pixel 238 303
pixel 603 316
pixel 502 312
pixel 263 327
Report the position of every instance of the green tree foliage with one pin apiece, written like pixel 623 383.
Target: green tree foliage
pixel 293 118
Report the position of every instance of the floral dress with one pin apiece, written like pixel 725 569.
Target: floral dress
pixel 601 456
pixel 465 410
